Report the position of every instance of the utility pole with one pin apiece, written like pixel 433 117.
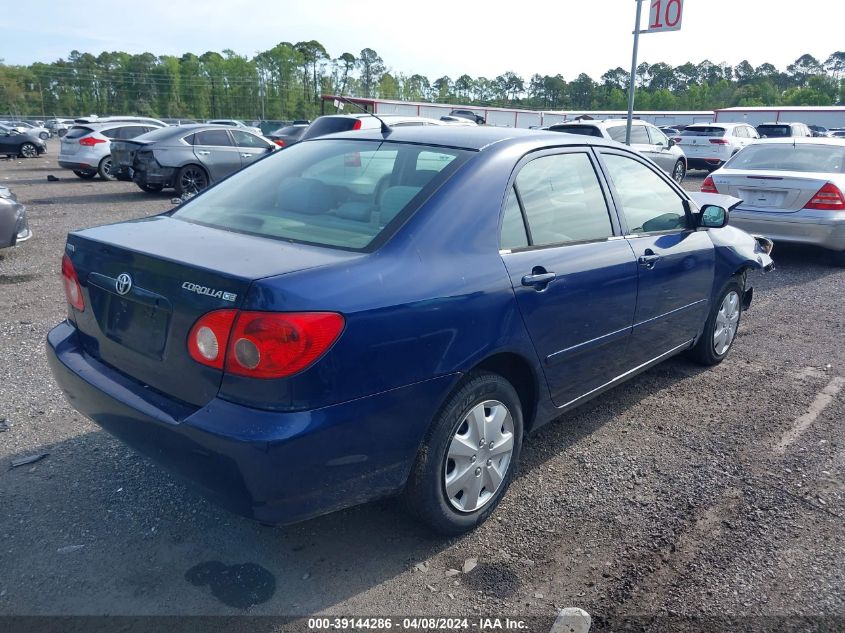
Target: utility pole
pixel 632 79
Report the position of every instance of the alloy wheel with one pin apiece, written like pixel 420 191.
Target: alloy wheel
pixel 193 180
pixel 479 456
pixel 727 320
pixel 28 150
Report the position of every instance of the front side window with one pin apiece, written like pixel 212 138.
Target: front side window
pixel 647 201
pixel 657 137
pixel 245 139
pixel 341 193
pixel 563 200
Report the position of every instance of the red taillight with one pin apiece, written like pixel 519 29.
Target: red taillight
pixel 708 186
pixel 279 142
pixel 828 198
pixel 209 337
pixel 357 125
pixel 73 291
pixel 719 141
pixel 263 344
pixel 91 141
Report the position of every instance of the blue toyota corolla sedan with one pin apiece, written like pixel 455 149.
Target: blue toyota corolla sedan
pixel 374 313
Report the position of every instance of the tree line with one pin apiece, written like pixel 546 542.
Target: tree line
pixel 286 81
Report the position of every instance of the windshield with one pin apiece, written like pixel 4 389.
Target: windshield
pixel 583 130
pixel 342 193
pixel 703 131
pixel 788 157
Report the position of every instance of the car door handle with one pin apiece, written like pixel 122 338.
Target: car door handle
pixel 539 280
pixel 246 155
pixel 649 259
pixel 203 153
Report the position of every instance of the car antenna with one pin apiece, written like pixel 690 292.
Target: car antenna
pixel 385 129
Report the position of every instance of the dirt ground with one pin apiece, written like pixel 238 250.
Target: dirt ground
pixel 685 492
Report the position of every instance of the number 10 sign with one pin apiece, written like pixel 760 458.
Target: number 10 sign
pixel 665 15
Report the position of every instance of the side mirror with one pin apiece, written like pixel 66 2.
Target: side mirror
pixel 713 217
pixel 671 142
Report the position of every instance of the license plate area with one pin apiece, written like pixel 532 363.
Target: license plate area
pixel 762 197
pixel 138 321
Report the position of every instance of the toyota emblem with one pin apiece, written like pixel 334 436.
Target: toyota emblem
pixel 123 284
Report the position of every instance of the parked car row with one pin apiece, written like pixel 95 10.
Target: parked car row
pixel 24 144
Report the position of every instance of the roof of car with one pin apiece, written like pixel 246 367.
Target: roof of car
pixel 467 137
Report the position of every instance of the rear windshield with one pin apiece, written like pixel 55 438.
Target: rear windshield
pixel 774 131
pixel 343 193
pixel 329 125
pixel 583 130
pixel 788 157
pixel 701 130
pixel 78 131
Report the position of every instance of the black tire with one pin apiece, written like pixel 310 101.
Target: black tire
pixel 190 179
pixel 44 136
pixel 679 172
pixel 28 150
pixel 85 175
pixel 105 168
pixel 705 351
pixel 61 133
pixel 150 188
pixel 425 493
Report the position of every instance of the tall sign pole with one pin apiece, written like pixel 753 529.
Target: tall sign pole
pixel 633 76
pixel 665 15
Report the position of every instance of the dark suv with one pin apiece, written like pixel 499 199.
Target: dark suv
pixel 468 114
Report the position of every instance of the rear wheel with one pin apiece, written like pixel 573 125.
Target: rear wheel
pixel 679 172
pixel 191 179
pixel 150 188
pixel 85 175
pixel 721 327
pixel 105 169
pixel 468 457
pixel 28 150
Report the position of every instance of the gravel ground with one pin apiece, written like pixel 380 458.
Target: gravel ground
pixel 668 496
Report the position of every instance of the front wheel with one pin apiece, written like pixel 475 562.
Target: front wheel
pixel 679 172
pixel 28 150
pixel 44 136
pixel 721 327
pixel 468 457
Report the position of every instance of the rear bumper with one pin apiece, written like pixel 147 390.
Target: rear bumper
pixel 820 228
pixel 154 175
pixel 275 467
pixel 704 163
pixel 76 165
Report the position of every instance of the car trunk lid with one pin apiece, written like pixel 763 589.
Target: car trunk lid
pixel 147 282
pixel 123 152
pixel 770 191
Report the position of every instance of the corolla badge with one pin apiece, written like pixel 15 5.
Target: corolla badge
pixel 209 292
pixel 123 283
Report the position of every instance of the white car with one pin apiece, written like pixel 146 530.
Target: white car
pixel 791 191
pixel 236 123
pixel 710 145
pixel 86 148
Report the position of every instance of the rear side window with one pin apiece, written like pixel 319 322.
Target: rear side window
pixel 215 138
pixel 78 131
pixel 648 202
pixel 563 200
pixel 513 233
pixel 340 193
pixel 703 130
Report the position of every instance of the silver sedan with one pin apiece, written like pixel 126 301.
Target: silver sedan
pixel 792 191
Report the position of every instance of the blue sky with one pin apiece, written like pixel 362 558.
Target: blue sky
pixel 480 38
